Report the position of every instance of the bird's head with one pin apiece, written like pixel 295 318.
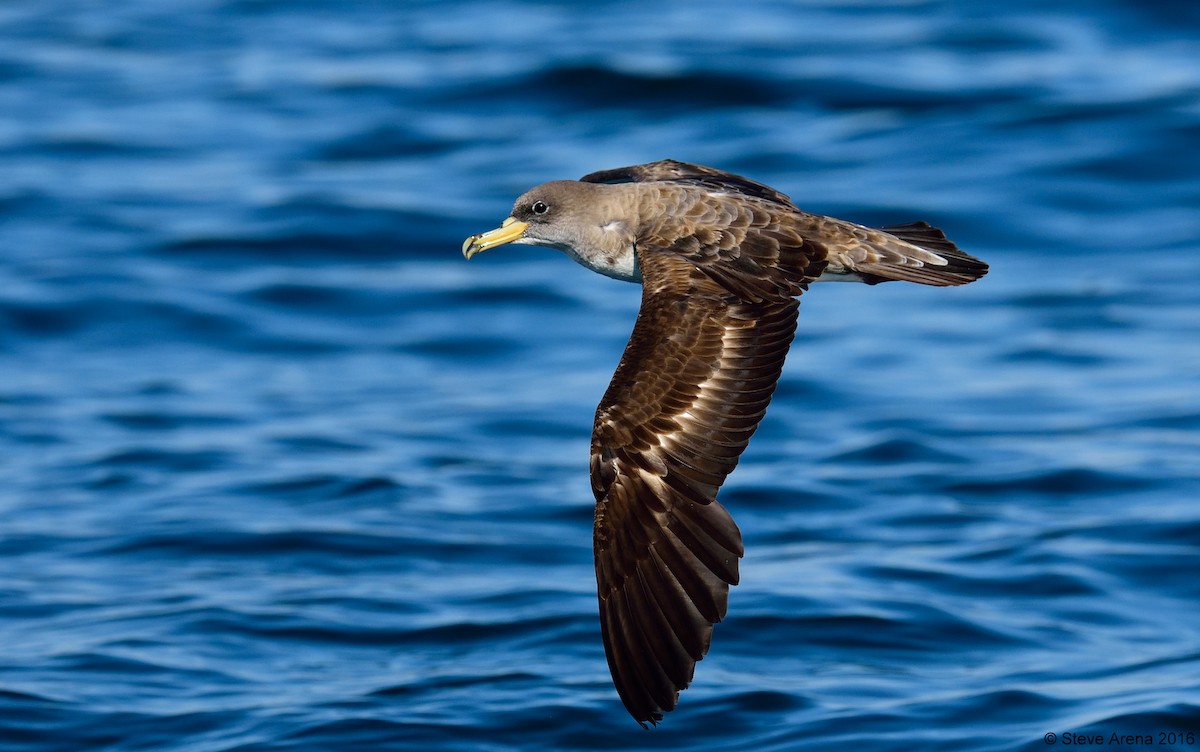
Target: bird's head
pixel 588 221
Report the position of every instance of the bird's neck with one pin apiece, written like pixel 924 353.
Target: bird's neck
pixel 609 248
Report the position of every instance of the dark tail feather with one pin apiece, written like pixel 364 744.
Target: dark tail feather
pixel 959 269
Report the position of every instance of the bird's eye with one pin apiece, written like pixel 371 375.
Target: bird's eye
pixel 539 207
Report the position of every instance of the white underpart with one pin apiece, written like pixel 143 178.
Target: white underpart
pixel 838 277
pixel 624 266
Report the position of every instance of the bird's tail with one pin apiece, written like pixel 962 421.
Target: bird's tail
pixel 917 252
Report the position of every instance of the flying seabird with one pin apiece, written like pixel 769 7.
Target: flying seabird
pixel 721 260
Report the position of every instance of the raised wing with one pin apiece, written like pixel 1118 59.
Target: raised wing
pixel 690 390
pixel 672 171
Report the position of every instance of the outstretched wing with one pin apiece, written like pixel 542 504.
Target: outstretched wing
pixel 672 171
pixel 690 390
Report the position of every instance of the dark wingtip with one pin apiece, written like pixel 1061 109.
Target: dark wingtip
pixel 653 721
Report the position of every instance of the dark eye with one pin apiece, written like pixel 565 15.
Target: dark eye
pixel 539 207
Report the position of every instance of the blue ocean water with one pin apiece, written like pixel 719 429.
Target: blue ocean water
pixel 283 472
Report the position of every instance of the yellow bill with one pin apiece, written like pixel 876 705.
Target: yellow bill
pixel 508 231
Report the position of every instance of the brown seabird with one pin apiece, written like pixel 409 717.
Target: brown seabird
pixel 721 260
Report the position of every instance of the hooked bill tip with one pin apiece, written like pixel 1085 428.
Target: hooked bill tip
pixel 468 247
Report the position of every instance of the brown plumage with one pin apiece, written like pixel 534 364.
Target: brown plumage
pixel 721 260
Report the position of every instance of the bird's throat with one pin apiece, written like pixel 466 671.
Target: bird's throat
pixel 619 264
